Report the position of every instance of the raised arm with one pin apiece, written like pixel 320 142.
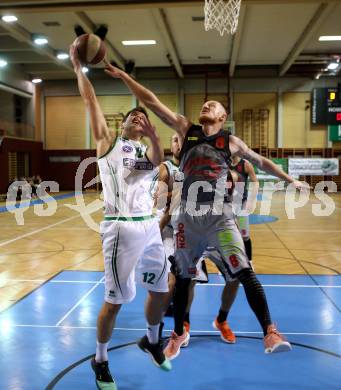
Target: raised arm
pixel 239 148
pixel 176 121
pixel 155 150
pixel 164 190
pixel 253 186
pixel 99 127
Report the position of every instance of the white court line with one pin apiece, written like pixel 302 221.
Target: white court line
pixel 168 330
pixel 79 302
pixel 38 230
pixel 199 284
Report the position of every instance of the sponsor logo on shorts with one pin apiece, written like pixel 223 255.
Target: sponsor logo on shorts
pixel 234 261
pixel 180 236
pixel 112 294
pixel 127 148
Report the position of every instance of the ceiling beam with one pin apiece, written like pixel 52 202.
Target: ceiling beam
pixel 236 40
pixel 168 39
pixel 91 27
pixel 8 44
pixel 321 13
pixel 23 35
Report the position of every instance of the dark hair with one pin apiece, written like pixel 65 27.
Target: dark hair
pixel 136 109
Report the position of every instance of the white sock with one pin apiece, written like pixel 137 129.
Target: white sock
pixel 153 333
pixel 101 352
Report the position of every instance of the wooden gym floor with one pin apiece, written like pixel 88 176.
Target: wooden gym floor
pixel 32 253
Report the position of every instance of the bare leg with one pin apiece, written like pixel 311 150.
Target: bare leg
pixel 170 294
pixel 105 325
pixel 106 321
pixel 154 307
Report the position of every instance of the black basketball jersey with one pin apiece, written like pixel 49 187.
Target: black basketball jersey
pixel 242 175
pixel 205 159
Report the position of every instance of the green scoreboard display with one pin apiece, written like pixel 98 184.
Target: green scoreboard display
pixel 326 106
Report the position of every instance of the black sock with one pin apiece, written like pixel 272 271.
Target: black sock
pixel 162 324
pixel 186 318
pixel 248 248
pixel 180 303
pixel 256 297
pixel 222 316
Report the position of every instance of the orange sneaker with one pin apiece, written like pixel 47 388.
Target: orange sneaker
pixel 226 333
pixel 174 344
pixel 275 342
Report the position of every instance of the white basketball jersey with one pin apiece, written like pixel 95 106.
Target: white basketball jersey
pixel 127 179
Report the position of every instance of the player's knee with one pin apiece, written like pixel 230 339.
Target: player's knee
pixel 111 308
pixel 246 275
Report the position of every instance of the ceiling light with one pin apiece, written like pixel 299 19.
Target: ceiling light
pixel 330 38
pixel 85 69
pixel 3 63
pixel 62 56
pixel 40 41
pixel 333 66
pixel 139 42
pixel 9 18
pixel 36 81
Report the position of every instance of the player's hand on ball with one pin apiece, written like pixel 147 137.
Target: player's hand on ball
pixel 112 70
pixel 74 58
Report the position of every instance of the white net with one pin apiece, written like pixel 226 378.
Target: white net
pixel 222 15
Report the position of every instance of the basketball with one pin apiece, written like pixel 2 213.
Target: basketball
pixel 90 48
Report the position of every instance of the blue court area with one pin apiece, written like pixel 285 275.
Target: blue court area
pixel 48 337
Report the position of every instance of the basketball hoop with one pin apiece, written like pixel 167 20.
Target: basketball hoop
pixel 222 15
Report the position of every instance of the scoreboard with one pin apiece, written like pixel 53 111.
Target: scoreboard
pixel 326 106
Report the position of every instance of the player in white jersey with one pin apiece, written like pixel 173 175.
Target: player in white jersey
pixel 131 239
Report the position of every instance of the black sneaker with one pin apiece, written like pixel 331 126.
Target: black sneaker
pixel 156 353
pixel 104 380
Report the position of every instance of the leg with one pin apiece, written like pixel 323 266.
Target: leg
pixel 228 297
pixel 244 227
pixel 152 273
pixel 231 246
pixel 120 257
pixel 106 321
pixel 154 308
pixel 189 248
pixel 189 304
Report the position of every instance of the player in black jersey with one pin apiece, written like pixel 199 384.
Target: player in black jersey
pixel 205 217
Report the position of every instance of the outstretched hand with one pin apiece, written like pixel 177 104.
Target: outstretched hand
pixel 112 70
pixel 300 185
pixel 148 130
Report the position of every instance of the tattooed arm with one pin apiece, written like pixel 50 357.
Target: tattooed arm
pixel 239 148
pixel 176 121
